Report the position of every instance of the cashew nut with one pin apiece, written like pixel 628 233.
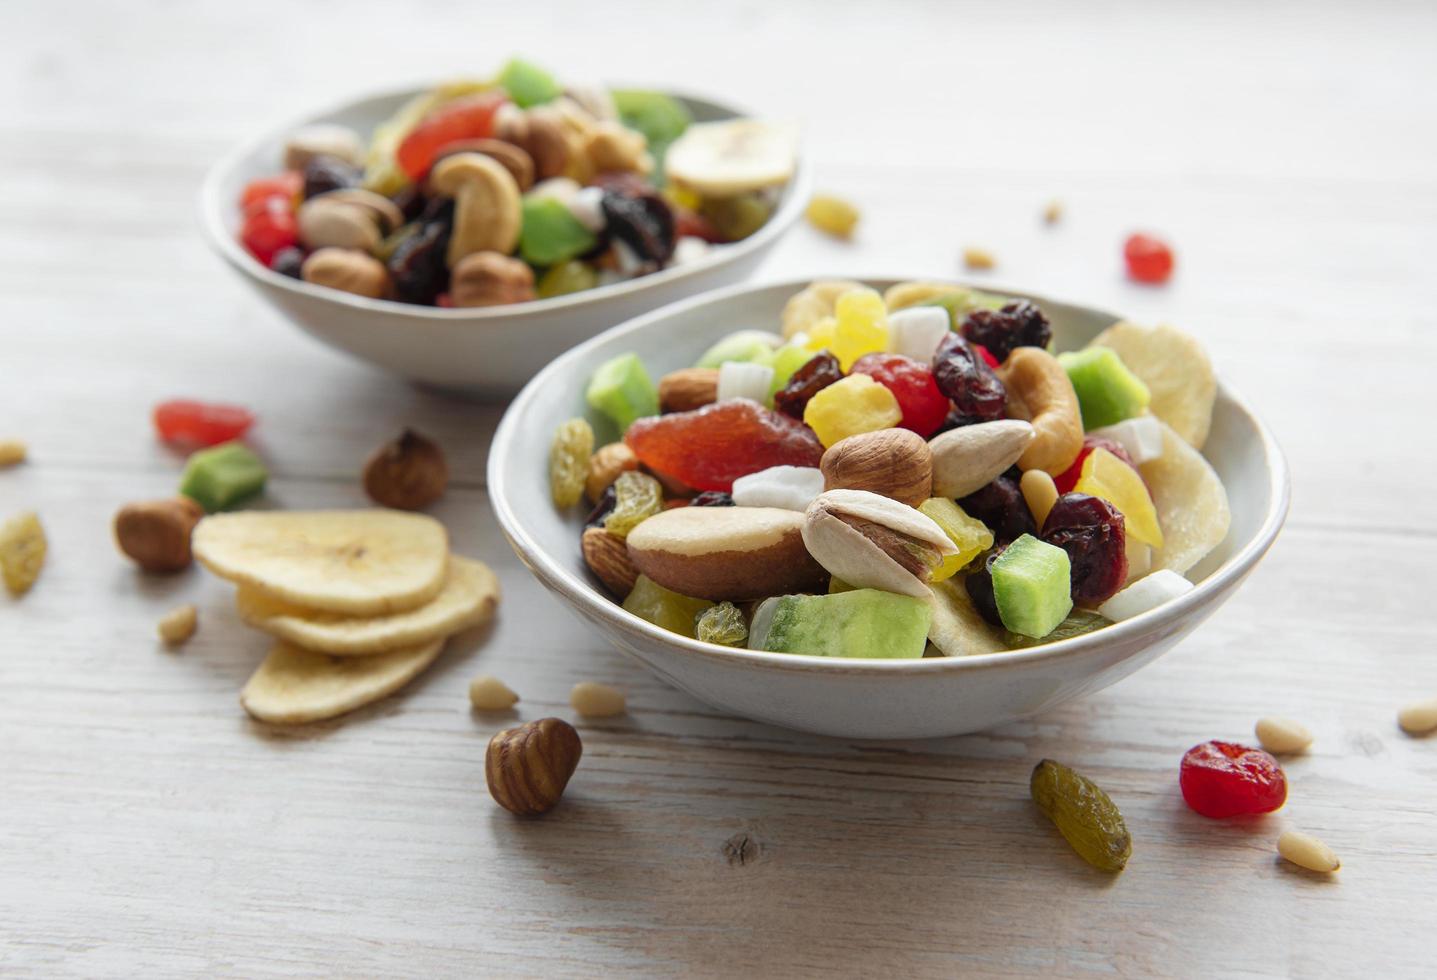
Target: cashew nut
pixel 1039 390
pixel 487 211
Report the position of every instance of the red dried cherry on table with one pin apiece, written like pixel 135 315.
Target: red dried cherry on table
pixel 924 407
pixel 469 118
pixel 1149 258
pixel 967 380
pixel 1018 324
pixel 199 423
pixel 285 187
pixel 1068 479
pixel 1094 534
pixel 815 374
pixel 1224 779
pixel 709 448
pixel 267 229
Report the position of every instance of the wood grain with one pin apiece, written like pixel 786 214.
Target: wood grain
pixel 148 828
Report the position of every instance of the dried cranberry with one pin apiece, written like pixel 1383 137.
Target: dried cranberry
pixel 971 384
pixel 323 174
pixel 817 373
pixel 1017 324
pixel 712 498
pixel 195 423
pixel 1001 506
pixel 644 222
pixel 924 407
pixel 418 268
pixel 607 500
pixel 288 262
pixel 979 584
pixel 1223 779
pixel 1094 534
pixel 1068 479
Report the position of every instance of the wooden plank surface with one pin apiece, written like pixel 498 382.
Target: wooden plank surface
pixel 148 828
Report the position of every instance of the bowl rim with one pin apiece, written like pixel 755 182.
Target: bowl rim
pixel 589 601
pixel 211 207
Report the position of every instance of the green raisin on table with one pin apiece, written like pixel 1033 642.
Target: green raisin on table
pixel 637 497
pixel 722 624
pixel 569 461
pixel 1083 814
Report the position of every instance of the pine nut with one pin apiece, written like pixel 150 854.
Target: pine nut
pixel 592 700
pixel 1419 718
pixel 1053 213
pixel 978 258
pixel 179 625
pixel 1040 493
pixel 12 451
pixel 488 693
pixel 1282 736
pixel 1307 851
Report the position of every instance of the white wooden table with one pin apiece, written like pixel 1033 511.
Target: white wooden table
pixel 148 828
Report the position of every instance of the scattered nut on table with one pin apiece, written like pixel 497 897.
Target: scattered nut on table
pixel 489 693
pixel 155 534
pixel 1307 851
pixel 22 551
pixel 1282 736
pixel 178 625
pixel 593 700
pixel 1053 212
pixel 12 451
pixel 1419 718
pixel 407 473
pixel 528 767
pixel 979 258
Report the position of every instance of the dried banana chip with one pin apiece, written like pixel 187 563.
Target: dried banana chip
pixel 806 308
pixel 359 562
pixel 294 686
pixel 468 598
pixel 1176 370
pixel 22 551
pixel 957 629
pixel 1190 501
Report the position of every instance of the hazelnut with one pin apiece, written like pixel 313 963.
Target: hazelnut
pixel 155 534
pixel 687 389
pixel 528 767
pixel 605 466
pixel 490 279
pixel 896 463
pixel 347 271
pixel 408 473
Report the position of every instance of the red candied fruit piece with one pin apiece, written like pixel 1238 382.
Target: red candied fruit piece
pixel 269 227
pixel 201 424
pixel 1224 779
pixel 285 187
pixel 710 447
pixel 1068 479
pixel 1149 259
pixel 924 407
pixel 470 118
pixel 986 354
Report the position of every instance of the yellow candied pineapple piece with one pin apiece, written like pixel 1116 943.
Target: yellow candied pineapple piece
pixel 1104 475
pixel 969 535
pixel 820 335
pixel 854 405
pixel 862 326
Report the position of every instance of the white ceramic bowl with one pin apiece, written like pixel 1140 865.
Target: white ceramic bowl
pixel 858 698
pixel 492 350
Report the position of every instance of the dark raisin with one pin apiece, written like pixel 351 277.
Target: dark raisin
pixel 1094 535
pixel 602 509
pixel 287 262
pixel 956 420
pixel 817 373
pixel 968 381
pixel 417 266
pixel 411 201
pixel 1001 506
pixel 438 209
pixel 323 174
pixel 979 584
pixel 1018 324
pixel 712 498
pixel 644 222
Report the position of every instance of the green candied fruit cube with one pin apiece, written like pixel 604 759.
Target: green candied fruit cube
pixel 1032 586
pixel 786 360
pixel 749 346
pixel 568 277
pixel 659 117
pixel 722 624
pixel 1107 391
pixel 223 477
pixel 863 623
pixel 528 84
pixel 676 613
pixel 621 389
pixel 970 535
pixel 550 233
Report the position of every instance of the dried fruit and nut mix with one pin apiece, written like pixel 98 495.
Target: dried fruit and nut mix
pixel 898 475
pixel 485 193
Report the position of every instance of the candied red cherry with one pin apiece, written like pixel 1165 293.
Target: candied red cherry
pixel 1001 506
pixel 200 424
pixel 924 407
pixel 469 118
pixel 968 381
pixel 1224 779
pixel 986 354
pixel 1149 259
pixel 285 187
pixel 1094 534
pixel 1068 479
pixel 267 229
pixel 1018 324
pixel 709 448
pixel 815 374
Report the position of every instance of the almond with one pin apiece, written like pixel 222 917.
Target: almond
pixel 687 389
pixel 896 463
pixel 968 458
pixel 722 553
pixel 608 559
pixel 605 466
